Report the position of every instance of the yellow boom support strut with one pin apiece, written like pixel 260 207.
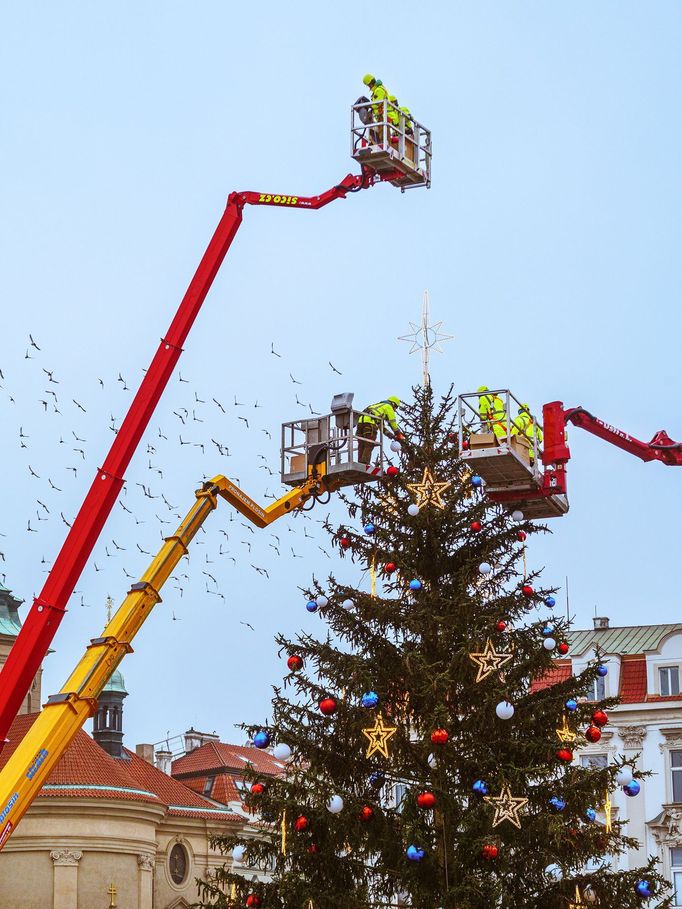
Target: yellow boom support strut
pixel 66 712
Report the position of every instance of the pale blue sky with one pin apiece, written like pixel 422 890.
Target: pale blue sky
pixel 549 243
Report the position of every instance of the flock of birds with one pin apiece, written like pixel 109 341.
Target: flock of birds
pixel 53 433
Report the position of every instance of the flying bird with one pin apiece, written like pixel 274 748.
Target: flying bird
pixel 295 381
pixel 273 351
pixel 50 376
pixel 244 420
pixel 218 404
pixel 79 406
pixel 33 343
pixel 52 486
pixel 32 472
pixel 61 514
pixel 334 368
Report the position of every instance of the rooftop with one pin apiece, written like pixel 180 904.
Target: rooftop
pixel 630 639
pixel 219 756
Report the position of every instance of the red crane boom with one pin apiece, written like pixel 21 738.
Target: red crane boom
pixel 49 606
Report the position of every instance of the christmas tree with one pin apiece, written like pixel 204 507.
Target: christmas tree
pixel 424 768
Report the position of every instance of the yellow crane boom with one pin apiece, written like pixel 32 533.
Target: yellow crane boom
pixel 65 713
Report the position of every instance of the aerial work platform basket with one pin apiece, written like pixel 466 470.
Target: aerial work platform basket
pixel 508 460
pixel 385 139
pixel 330 444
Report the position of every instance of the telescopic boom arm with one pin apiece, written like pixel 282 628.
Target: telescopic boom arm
pixel 65 713
pixel 48 608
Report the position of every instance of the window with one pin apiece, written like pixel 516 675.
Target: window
pixel 594 761
pixel 399 793
pixel 178 864
pixel 676 773
pixel 208 785
pixel 676 868
pixel 669 679
pixel 598 689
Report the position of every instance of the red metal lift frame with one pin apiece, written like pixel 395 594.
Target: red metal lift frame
pixel 48 608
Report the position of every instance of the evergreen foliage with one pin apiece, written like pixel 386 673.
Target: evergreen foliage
pixel 413 648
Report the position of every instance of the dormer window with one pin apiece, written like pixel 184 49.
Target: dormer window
pixel 669 680
pixel 598 689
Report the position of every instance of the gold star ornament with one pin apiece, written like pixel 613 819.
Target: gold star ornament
pixel 378 736
pixel 429 492
pixel 565 733
pixel 489 661
pixel 507 807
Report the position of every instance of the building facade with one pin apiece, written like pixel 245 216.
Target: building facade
pixel 645 670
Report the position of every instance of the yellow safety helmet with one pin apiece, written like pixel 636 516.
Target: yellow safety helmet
pixel 482 388
pixel 395 401
pixel 525 407
pixel 368 79
pixel 393 99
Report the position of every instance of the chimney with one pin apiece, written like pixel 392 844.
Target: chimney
pixel 146 752
pixel 601 622
pixel 163 761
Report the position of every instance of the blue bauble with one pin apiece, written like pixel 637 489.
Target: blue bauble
pixel 480 787
pixel 376 779
pixel 548 629
pixel 591 815
pixel 643 889
pixel 414 853
pixel 602 671
pixel 476 481
pixel 415 584
pixel 571 704
pixel 311 606
pixel 550 602
pixel 557 803
pixel 369 529
pixel 632 789
pixel 370 699
pixel 261 739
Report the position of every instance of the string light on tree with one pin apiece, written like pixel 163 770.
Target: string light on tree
pixel 378 736
pixel 426 337
pixel 507 806
pixel 429 491
pixel 489 660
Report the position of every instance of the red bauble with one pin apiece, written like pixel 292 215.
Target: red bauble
pixel 253 900
pixel 599 718
pixel 563 648
pixel 476 526
pixel 327 706
pixel 344 542
pixel 527 590
pixel 465 445
pixel 257 789
pixel 439 736
pixel 390 567
pixel 452 436
pixel 313 848
pixel 593 733
pixel 565 754
pixel 426 799
pixel 501 625
pixel 521 536
pixel 392 471
pixel 295 662
pixel 366 813
pixel 490 851
pixel 301 823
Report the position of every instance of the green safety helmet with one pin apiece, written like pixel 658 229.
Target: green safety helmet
pixel 395 401
pixel 482 388
pixel 368 79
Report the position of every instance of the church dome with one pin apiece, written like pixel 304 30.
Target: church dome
pixel 116 683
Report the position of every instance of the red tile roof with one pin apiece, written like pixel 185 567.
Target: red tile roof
pixel 633 679
pixel 86 771
pixel 561 671
pixel 221 756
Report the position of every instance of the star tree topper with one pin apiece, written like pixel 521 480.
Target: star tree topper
pixel 489 661
pixel 507 807
pixel 429 492
pixel 378 736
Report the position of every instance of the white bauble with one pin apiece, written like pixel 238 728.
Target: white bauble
pixel 504 710
pixel 485 568
pixel 335 804
pixel 321 601
pixel 395 445
pixel 549 643
pixel 238 853
pixel 432 761
pixel 554 872
pixel 348 604
pixel 517 516
pixel 624 775
pixel 281 752
pixel 413 510
pixel 590 896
